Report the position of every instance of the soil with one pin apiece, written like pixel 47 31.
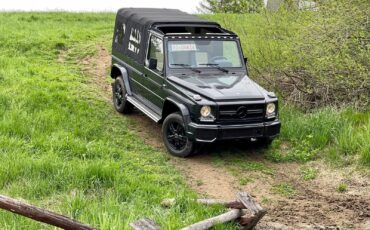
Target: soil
pixel 316 204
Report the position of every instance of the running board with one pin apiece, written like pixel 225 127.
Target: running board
pixel 143 108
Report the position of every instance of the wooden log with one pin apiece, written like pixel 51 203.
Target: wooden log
pixel 249 221
pixel 228 204
pixel 145 224
pixel 41 215
pixel 223 218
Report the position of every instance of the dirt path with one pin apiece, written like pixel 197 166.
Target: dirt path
pixel 222 169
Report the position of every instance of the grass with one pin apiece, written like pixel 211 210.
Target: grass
pixel 244 180
pixel 342 187
pixel 285 190
pixel 308 173
pixel 341 136
pixel 63 147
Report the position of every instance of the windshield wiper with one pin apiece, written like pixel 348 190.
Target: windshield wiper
pixel 216 66
pixel 188 66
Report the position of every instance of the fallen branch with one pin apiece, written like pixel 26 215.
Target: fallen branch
pixel 223 218
pixel 41 215
pixel 245 209
pixel 228 204
pixel 249 221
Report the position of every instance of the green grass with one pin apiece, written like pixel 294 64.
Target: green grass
pixel 341 136
pixel 342 188
pixel 63 147
pixel 285 190
pixel 308 173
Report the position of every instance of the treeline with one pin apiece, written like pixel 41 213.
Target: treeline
pixel 314 57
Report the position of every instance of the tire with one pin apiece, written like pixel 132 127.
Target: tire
pixel 120 97
pixel 174 136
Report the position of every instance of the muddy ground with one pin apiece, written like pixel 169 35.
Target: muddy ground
pixel 219 171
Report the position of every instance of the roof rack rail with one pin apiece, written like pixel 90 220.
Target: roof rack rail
pixel 222 33
pixel 178 33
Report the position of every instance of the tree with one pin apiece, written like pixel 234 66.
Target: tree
pixel 231 6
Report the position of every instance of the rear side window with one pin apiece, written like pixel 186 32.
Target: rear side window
pixel 156 51
pixel 120 33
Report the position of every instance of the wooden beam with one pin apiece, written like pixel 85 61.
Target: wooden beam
pixel 145 224
pixel 228 204
pixel 41 215
pixel 223 218
pixel 249 221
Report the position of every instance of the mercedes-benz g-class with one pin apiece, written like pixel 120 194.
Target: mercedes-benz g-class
pixel 190 75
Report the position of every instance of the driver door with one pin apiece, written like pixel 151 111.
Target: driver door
pixel 153 74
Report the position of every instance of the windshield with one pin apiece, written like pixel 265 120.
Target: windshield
pixel 203 54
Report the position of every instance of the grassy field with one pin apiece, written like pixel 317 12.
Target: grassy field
pixel 63 148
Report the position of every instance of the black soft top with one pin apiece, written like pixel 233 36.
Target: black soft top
pixel 148 17
pixel 132 27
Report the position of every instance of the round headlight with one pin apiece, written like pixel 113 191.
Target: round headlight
pixel 270 108
pixel 205 111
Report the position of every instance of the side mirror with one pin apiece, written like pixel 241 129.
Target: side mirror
pixel 152 63
pixel 246 60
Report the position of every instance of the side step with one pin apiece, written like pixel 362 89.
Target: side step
pixel 143 108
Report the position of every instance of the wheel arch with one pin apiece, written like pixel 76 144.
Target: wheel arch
pixel 117 71
pixel 171 105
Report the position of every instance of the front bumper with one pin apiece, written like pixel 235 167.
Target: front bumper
pixel 211 133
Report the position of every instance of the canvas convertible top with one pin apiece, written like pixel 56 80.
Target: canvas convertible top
pixel 132 27
pixel 148 17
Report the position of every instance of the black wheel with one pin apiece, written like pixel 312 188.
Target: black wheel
pixel 174 136
pixel 119 97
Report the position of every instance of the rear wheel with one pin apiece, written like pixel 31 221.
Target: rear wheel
pixel 174 136
pixel 120 97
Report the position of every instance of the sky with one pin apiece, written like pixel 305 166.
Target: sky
pixel 189 6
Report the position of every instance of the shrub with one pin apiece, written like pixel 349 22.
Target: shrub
pixel 231 6
pixel 331 64
pixel 312 58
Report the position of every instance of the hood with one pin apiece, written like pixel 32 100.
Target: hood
pixel 220 86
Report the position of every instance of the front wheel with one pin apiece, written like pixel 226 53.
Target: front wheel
pixel 174 136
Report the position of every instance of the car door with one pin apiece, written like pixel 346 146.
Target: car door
pixel 153 76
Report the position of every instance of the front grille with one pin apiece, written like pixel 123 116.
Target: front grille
pixel 241 113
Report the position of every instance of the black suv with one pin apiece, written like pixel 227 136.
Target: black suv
pixel 189 74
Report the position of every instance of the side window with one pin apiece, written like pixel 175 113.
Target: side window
pixel 156 52
pixel 120 33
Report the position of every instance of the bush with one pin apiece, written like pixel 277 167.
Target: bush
pixel 312 58
pixel 231 6
pixel 331 64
